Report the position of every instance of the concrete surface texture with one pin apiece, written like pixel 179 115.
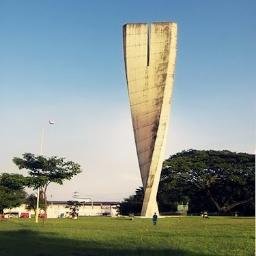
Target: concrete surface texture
pixel 149 54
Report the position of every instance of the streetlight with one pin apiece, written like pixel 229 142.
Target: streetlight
pixel 41 152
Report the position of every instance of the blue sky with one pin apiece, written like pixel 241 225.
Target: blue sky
pixel 63 60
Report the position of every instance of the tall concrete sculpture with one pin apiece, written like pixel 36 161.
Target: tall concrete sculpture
pixel 150 53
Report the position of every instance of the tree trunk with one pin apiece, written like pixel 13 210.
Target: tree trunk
pixel 227 208
pixel 213 200
pixel 45 200
pixel 45 197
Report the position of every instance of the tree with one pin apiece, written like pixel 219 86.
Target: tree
pixel 12 192
pixel 73 208
pixel 31 202
pixel 216 181
pixel 220 180
pixel 45 170
pixel 133 204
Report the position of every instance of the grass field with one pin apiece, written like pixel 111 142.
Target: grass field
pixel 188 236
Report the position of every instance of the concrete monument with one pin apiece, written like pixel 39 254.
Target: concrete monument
pixel 150 53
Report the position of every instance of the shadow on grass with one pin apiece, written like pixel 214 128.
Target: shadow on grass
pixel 30 243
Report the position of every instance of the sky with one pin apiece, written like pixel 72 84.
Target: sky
pixel 62 60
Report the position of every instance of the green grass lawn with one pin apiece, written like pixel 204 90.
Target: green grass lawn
pixel 188 236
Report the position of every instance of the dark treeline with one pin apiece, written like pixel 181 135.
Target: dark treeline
pixel 220 182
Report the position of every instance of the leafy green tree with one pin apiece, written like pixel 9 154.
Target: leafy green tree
pixel 46 170
pixel 31 202
pixel 12 192
pixel 73 208
pixel 133 204
pixel 216 181
pixel 220 180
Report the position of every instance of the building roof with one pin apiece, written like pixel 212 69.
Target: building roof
pixel 86 203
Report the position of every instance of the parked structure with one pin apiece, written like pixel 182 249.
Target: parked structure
pixel 18 212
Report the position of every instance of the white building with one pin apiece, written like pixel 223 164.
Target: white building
pixel 58 209
pixel 61 209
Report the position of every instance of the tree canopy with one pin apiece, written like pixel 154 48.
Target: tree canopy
pixel 216 181
pixel 45 170
pixel 12 192
pixel 225 179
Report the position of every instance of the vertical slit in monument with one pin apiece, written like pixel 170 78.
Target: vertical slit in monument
pixel 148 44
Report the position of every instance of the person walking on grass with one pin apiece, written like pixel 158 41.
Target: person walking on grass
pixel 154 219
